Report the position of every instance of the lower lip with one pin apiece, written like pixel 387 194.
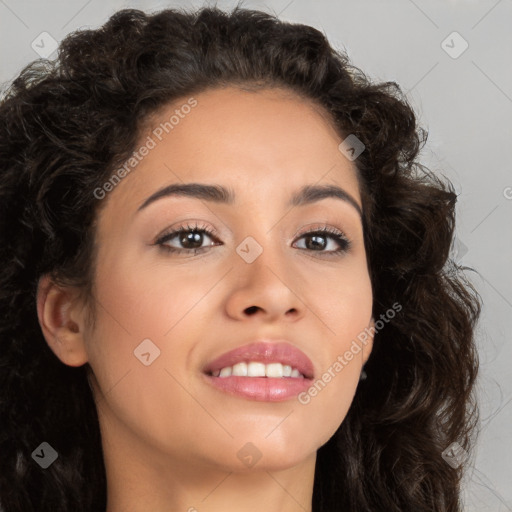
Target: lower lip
pixel 262 389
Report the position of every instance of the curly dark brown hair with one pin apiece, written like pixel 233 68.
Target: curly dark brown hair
pixel 65 125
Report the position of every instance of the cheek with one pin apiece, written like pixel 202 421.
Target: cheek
pixel 151 300
pixel 344 301
pixel 345 306
pixel 137 303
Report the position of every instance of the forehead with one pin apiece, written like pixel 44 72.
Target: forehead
pixel 259 142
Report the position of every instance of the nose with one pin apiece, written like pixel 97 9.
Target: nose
pixel 264 290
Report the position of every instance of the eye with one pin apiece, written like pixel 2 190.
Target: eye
pixel 317 240
pixel 192 238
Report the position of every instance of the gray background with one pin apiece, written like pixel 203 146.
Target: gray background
pixel 464 102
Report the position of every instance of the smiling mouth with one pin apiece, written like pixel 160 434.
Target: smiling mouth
pixel 265 370
pixel 258 369
pixel 276 359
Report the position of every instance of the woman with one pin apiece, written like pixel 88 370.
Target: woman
pixel 210 224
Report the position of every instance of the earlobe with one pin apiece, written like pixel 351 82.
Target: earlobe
pixel 60 321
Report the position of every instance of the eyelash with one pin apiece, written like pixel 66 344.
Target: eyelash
pixel 340 238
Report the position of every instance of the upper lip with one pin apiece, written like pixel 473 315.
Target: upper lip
pixel 265 351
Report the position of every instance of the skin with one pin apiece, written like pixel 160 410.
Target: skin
pixel 171 440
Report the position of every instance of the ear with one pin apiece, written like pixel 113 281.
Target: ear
pixel 368 342
pixel 61 320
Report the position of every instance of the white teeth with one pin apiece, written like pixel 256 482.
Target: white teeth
pixel 240 370
pixel 258 369
pixel 274 370
pixel 225 372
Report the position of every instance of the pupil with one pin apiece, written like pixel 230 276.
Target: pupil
pixel 191 237
pixel 314 239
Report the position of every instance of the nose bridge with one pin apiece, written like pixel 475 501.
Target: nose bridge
pixel 264 277
pixel 262 257
pixel 258 227
pixel 263 247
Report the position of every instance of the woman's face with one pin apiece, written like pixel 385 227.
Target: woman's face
pixel 257 277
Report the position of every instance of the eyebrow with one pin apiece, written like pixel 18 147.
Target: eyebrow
pixel 217 193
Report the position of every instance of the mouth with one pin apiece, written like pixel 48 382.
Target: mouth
pixel 258 369
pixel 262 371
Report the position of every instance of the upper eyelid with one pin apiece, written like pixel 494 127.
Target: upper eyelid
pixel 201 225
pixel 214 232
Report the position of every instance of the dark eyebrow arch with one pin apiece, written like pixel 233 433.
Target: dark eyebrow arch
pixel 219 194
